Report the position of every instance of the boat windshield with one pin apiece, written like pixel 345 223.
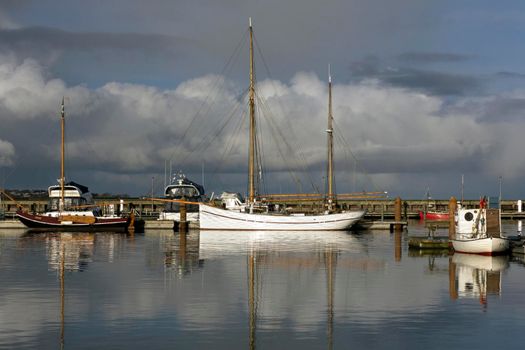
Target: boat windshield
pixel 69 203
pixel 184 192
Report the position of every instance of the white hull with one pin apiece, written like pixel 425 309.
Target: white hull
pixel 212 218
pixel 476 261
pixel 193 217
pixel 485 246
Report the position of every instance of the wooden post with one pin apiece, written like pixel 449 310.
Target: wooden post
pixel 452 205
pixel 131 224
pixel 452 287
pixel 182 248
pixel 397 214
pixel 183 224
pixel 397 245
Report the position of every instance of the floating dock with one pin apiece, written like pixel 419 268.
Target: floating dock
pixel 429 243
pixel 11 224
pixel 379 225
pixel 166 224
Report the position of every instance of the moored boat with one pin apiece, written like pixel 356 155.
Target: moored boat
pixel 182 188
pixel 72 206
pixel 434 215
pixel 79 212
pixel 478 231
pixel 430 213
pixel 255 215
pixel 213 218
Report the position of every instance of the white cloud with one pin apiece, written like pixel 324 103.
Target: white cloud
pixel 7 153
pixel 123 128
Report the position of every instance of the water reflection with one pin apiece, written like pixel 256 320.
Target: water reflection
pixel 476 276
pixel 328 257
pixel 65 252
pixel 242 290
pixel 215 244
pixel 179 251
pixel 297 255
pixel 70 252
pixel 74 250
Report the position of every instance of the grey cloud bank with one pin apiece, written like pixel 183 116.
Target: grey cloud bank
pixel 140 94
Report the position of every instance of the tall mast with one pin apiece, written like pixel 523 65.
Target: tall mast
pixel 329 131
pixel 251 160
pixel 62 152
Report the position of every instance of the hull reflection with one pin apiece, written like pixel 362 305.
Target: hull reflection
pixel 220 243
pixel 476 276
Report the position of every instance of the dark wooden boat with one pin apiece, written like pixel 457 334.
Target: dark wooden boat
pixel 69 221
pixel 71 206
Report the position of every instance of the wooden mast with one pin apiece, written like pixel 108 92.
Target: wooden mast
pixel 329 131
pixel 251 165
pixel 62 156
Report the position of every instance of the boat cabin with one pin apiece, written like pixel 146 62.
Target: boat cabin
pixel 479 221
pixel 183 188
pixel 75 196
pixel 232 201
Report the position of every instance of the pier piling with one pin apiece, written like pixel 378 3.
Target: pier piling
pixel 397 214
pixel 183 223
pixel 519 221
pixel 452 204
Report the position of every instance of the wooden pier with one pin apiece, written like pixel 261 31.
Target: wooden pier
pixel 376 209
pixel 380 213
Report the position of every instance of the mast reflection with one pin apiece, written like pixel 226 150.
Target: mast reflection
pixel 282 264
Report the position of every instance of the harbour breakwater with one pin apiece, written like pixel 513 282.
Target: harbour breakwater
pixel 375 208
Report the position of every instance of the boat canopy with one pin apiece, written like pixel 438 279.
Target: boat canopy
pixel 184 187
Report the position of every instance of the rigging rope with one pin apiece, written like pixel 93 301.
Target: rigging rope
pixel 348 150
pixel 208 101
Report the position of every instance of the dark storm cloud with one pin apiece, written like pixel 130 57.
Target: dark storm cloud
pixel 437 83
pixel 496 109
pixel 42 39
pixel 13 4
pixel 432 57
pixel 137 72
pixel 510 75
pixel 432 82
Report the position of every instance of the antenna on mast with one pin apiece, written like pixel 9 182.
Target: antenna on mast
pixel 250 20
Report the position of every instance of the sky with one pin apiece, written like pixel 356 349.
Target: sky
pixel 423 94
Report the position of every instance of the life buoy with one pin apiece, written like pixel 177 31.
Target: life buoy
pixel 482 202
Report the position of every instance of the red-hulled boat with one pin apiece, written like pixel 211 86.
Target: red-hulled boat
pixel 72 207
pixel 68 220
pixel 434 215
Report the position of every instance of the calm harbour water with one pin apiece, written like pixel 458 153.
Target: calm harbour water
pixel 253 290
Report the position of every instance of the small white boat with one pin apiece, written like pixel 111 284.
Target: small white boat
pixel 485 246
pixel 478 231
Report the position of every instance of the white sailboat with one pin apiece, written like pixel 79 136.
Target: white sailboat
pixel 253 215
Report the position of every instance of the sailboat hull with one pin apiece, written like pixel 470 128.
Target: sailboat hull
pixel 55 223
pixel 212 218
